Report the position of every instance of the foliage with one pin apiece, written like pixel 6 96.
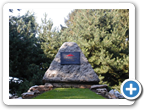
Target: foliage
pixel 26 58
pixel 50 39
pixel 69 93
pixel 103 37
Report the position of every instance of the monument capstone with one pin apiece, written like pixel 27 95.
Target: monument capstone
pixel 70 68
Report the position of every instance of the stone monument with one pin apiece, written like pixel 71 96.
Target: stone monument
pixel 70 68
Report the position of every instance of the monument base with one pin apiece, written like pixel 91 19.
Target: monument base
pixel 72 85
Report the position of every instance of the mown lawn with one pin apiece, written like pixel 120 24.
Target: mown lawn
pixel 69 93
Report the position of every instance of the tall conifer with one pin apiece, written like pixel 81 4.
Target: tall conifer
pixel 103 37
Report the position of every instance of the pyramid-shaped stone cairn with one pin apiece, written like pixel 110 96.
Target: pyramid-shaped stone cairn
pixel 70 68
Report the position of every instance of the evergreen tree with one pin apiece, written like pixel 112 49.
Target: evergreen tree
pixel 103 37
pixel 25 55
pixel 49 39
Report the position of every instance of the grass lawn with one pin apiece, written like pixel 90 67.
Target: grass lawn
pixel 69 93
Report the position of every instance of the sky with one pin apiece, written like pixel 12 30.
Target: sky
pixel 56 15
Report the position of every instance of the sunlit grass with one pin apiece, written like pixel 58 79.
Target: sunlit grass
pixel 69 93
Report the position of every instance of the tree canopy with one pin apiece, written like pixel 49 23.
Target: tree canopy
pixel 26 58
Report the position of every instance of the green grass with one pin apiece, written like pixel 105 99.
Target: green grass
pixel 69 93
